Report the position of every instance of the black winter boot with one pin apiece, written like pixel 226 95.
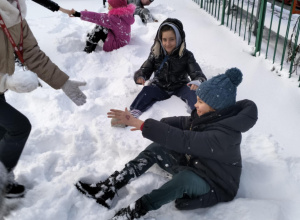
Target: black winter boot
pixel 103 192
pixel 89 48
pixel 133 211
pixel 13 189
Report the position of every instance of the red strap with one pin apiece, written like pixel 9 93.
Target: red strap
pixel 18 50
pixel 142 126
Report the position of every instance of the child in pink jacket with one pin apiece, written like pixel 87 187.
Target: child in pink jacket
pixel 113 28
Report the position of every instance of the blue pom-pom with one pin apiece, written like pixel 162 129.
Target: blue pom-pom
pixel 235 75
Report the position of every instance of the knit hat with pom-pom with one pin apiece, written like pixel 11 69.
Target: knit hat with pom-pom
pixel 220 91
pixel 117 3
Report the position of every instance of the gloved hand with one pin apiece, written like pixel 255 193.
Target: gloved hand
pixel 20 82
pixel 71 89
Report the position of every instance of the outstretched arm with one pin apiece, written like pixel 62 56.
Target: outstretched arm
pixel 101 19
pixel 48 4
pixel 53 6
pixel 124 117
pixel 66 11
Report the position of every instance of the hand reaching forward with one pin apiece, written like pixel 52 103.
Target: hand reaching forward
pixel 71 89
pixel 124 117
pixel 66 11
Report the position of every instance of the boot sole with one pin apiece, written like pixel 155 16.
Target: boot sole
pixel 15 196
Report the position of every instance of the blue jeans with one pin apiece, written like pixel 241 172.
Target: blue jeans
pixel 184 183
pixel 14 131
pixel 151 94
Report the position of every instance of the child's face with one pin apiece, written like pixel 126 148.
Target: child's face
pixel 109 7
pixel 168 39
pixel 202 107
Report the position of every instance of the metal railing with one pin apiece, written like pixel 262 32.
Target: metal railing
pixel 265 24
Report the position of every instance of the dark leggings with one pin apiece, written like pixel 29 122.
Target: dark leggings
pixel 183 183
pixel 14 131
pixel 152 93
pixel 97 34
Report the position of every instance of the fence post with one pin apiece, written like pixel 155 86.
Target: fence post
pixel 294 50
pixel 287 34
pixel 260 29
pixel 223 12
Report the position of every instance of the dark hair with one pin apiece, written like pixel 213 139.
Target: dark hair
pixel 164 29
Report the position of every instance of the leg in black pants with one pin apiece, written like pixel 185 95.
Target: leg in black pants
pixel 97 34
pixel 14 131
pixel 147 97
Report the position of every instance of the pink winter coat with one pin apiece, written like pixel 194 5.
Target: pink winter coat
pixel 117 21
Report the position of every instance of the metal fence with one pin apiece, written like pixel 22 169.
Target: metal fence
pixel 271 26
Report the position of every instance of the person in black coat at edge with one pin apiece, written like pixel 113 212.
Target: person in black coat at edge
pixel 201 151
pixel 176 72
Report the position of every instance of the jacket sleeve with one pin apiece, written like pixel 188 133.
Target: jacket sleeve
pixel 194 69
pixel 2 83
pixel 38 62
pixel 48 4
pixel 207 144
pixel 146 69
pixel 101 19
pixel 177 122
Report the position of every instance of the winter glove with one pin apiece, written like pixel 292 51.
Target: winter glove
pixel 194 84
pixel 20 82
pixel 71 89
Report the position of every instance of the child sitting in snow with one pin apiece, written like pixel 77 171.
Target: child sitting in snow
pixel 113 28
pixel 201 151
pixel 141 11
pixel 172 65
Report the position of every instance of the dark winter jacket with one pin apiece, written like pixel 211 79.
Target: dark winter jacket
pixel 176 70
pixel 213 143
pixel 48 4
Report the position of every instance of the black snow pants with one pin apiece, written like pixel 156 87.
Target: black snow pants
pixel 14 131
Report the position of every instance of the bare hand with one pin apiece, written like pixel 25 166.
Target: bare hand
pixel 141 81
pixel 193 87
pixel 68 12
pixel 73 12
pixel 124 117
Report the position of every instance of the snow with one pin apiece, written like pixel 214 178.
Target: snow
pixel 70 143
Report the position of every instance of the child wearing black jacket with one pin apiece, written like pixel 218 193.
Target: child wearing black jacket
pixel 175 69
pixel 201 151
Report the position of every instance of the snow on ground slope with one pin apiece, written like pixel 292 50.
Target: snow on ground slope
pixel 68 143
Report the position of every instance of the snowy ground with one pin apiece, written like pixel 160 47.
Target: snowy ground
pixel 69 143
